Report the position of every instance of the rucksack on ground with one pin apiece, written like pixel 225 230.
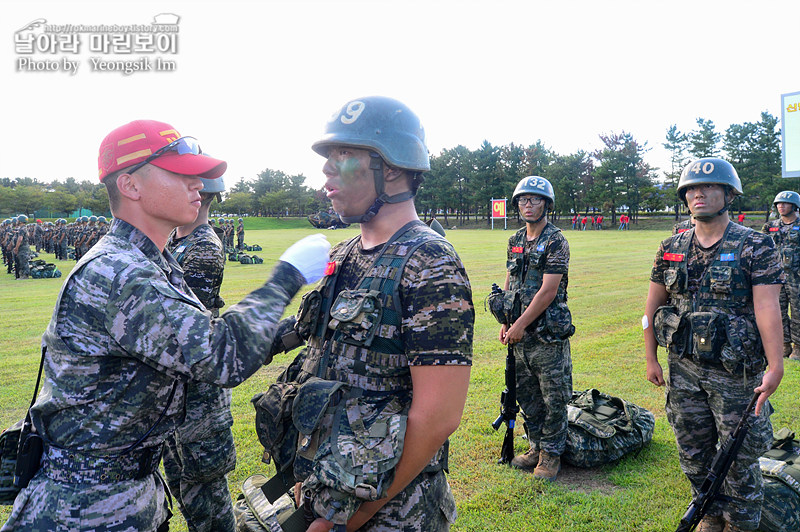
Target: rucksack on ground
pixel 603 428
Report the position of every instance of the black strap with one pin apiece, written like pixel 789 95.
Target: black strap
pixel 38 377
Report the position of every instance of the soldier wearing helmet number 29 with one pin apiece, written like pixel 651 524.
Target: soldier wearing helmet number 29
pixel 785 231
pixel 538 264
pixel 713 303
pixel 405 355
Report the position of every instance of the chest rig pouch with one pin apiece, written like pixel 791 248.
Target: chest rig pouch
pixel 790 250
pixel 716 324
pixel 357 314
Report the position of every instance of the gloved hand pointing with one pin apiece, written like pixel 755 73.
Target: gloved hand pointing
pixel 309 255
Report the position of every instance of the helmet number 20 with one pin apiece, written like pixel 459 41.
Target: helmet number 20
pixel 707 168
pixel 352 112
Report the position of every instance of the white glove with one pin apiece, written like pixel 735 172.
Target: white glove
pixel 309 255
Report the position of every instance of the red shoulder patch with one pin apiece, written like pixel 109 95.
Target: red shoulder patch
pixel 773 229
pixel 517 249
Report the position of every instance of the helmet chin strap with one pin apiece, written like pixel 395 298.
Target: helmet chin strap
pixel 709 217
pixel 376 165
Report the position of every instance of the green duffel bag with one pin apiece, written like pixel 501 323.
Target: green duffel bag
pixel 603 428
pixel 780 468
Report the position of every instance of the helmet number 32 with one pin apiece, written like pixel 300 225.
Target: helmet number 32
pixel 536 183
pixel 707 168
pixel 352 112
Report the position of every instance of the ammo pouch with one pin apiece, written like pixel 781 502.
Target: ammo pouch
pixel 676 280
pixel 357 315
pixel 274 426
pixel 316 399
pixel 708 335
pixel 670 330
pixel 555 323
pixel 744 351
pixel 720 278
pixel 357 452
pixel 308 314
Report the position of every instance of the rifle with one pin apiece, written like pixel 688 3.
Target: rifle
pixel 508 398
pixel 709 490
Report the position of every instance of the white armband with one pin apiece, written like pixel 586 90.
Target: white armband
pixel 645 323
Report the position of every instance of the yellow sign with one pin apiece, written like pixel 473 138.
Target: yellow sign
pixel 499 208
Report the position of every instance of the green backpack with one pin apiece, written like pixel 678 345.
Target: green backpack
pixel 603 428
pixel 780 467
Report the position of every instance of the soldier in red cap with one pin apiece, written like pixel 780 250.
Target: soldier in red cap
pixel 128 336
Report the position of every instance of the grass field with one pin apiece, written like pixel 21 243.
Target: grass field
pixel 609 273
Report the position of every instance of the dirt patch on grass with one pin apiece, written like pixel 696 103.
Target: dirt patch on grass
pixel 585 480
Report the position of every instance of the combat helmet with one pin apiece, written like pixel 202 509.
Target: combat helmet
pixel 92 219
pixel 709 171
pixel 83 219
pixel 788 196
pixel 391 132
pixel 538 186
pixel 101 219
pixel 22 219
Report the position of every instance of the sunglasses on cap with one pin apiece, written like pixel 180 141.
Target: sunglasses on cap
pixel 182 146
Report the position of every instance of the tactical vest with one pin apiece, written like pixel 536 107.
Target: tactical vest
pixel 788 242
pixel 526 273
pixel 716 325
pixel 352 408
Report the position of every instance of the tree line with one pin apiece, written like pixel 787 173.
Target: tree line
pixel 613 179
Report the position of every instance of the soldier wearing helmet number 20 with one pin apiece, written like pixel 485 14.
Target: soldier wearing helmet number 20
pixel 713 303
pixel 392 324
pixel 785 231
pixel 538 265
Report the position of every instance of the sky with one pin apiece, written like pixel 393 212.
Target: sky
pixel 256 81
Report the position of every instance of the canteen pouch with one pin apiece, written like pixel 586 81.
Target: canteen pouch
pixel 670 330
pixel 555 324
pixel 720 277
pixel 707 336
pixel 356 458
pixel 315 401
pixel 743 351
pixel 503 304
pixel 356 314
pixel 675 280
pixel 308 314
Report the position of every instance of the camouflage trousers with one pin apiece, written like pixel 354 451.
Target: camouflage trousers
pixel 198 456
pixel 790 298
pixel 704 405
pixel 426 505
pixel 544 387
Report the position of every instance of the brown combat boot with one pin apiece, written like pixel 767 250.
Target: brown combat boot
pixel 527 461
pixel 711 523
pixel 795 353
pixel 548 468
pixel 787 349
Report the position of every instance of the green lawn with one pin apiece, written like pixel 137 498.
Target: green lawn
pixel 608 284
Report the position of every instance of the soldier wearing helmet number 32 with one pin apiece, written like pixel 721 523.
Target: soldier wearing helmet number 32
pixel 538 265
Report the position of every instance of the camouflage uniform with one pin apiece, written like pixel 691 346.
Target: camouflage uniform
pixel 708 389
pixel 240 236
pixel 787 239
pixel 126 333
pixel 543 364
pixel 427 319
pixel 201 452
pixel 23 254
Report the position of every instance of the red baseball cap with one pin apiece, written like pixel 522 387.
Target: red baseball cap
pixel 136 141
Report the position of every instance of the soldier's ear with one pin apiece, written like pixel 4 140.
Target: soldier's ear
pixel 129 186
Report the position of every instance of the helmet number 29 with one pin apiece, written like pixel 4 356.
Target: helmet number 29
pixel 707 168
pixel 352 112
